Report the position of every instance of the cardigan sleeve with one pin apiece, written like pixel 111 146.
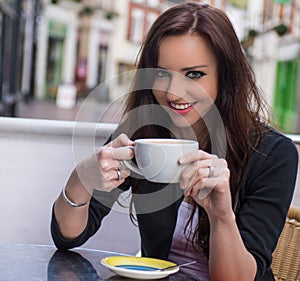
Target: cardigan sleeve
pixel 100 206
pixel 266 193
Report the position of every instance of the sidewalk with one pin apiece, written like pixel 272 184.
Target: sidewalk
pixel 92 111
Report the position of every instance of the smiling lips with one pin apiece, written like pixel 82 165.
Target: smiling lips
pixel 181 108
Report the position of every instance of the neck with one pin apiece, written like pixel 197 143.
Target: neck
pixel 197 131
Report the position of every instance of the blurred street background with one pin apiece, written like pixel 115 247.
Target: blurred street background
pixel 53 53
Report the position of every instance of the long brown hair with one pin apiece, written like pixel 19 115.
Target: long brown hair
pixel 239 99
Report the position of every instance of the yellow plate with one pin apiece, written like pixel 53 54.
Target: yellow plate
pixel 138 267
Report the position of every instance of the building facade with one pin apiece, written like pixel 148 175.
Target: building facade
pixel 56 48
pixel 275 57
pixel 17 52
pixel 87 43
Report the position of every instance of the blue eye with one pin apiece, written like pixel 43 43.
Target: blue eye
pixel 195 74
pixel 160 73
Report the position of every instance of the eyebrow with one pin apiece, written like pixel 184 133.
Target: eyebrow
pixel 188 68
pixel 194 67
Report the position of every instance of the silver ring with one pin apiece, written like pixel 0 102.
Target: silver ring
pixel 211 171
pixel 119 174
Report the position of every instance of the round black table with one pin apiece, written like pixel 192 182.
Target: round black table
pixel 38 262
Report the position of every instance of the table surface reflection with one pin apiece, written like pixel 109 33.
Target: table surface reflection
pixel 38 262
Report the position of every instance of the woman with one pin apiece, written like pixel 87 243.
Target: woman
pixel 232 231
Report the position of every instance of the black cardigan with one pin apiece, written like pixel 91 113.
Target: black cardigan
pixel 265 195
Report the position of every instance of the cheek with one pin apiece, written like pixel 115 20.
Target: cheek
pixel 213 90
pixel 158 95
pixel 213 93
pixel 209 91
pixel 160 85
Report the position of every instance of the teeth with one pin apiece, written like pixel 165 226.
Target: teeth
pixel 180 106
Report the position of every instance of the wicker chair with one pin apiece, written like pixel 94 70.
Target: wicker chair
pixel 286 257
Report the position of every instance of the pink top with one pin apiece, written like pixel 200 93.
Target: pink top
pixel 182 250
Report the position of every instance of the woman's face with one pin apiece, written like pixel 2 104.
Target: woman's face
pixel 186 78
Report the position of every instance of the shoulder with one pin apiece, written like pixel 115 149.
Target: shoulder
pixel 273 164
pixel 274 142
pixel 274 157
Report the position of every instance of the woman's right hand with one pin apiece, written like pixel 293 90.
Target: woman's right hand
pixel 99 171
pixel 104 170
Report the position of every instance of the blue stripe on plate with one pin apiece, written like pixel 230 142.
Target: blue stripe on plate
pixel 137 267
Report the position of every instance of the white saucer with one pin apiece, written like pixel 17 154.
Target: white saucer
pixel 139 267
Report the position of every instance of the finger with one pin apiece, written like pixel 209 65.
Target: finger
pixel 121 140
pixel 105 159
pixel 112 184
pixel 191 169
pixel 109 164
pixel 122 153
pixel 115 177
pixel 125 173
pixel 193 156
pixel 188 175
pixel 121 170
pixel 222 181
pixel 120 177
pixel 112 175
pixel 195 171
pixel 188 191
pixel 217 168
pixel 201 183
pixel 210 168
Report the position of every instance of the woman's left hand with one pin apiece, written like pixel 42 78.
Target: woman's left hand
pixel 206 173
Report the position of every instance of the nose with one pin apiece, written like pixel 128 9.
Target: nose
pixel 175 88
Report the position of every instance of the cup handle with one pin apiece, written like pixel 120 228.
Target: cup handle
pixel 129 164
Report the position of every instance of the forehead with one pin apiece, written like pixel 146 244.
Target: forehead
pixel 185 50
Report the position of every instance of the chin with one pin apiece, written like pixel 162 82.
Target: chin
pixel 182 122
pixel 183 129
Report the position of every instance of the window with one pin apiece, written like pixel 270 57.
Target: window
pixel 238 3
pixel 139 1
pixel 123 76
pixel 151 17
pixel 285 101
pixel 153 3
pixel 137 25
pixel 141 17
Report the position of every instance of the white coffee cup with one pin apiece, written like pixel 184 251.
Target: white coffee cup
pixel 157 159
